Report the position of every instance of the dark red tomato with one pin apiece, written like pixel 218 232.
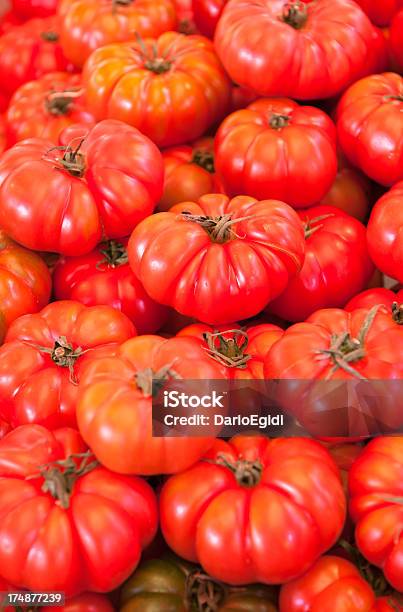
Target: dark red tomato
pixel 370 126
pixel 395 40
pixel 206 15
pixel 97 187
pixel 336 266
pixel 29 51
pixel 45 107
pixel 41 360
pixel 86 602
pixel 385 232
pixel 8 20
pixel 241 97
pixel 391 299
pixel 67 524
pixel 189 173
pixel 256 511
pixel 27 9
pixel 218 260
pixel 381 13
pixel 105 277
pixel 277 149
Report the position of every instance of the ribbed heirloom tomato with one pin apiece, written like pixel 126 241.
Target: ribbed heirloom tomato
pixel 68 525
pixel 277 149
pixel 370 126
pixel 206 15
pixel 90 24
pixel 218 260
pixel 97 187
pixel 255 510
pixel 172 89
pixel 41 360
pixel 283 48
pixel 371 297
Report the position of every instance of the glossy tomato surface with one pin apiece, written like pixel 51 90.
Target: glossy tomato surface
pixel 28 9
pixel 371 297
pixel 381 13
pixel 206 15
pixel 396 37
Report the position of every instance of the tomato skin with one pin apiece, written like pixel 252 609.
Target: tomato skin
pixel 100 528
pixel 8 20
pixel 172 101
pixel 29 51
pixel 121 182
pixel 372 297
pixel 370 126
pixel 336 266
pixel 385 237
pixel 396 37
pixel 206 15
pixel 93 280
pixel 34 110
pixel 91 24
pixel 277 149
pixel 38 390
pixel 380 13
pixel 250 34
pixel 28 9
pixel 223 294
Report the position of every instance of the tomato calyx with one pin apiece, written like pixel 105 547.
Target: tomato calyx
pixel 308 223
pixel 50 36
pixel 278 121
pixel 247 473
pixel 62 354
pixel 397 313
pixel 229 352
pixel 218 228
pixel 203 592
pixel 114 254
pixel 295 14
pixel 204 159
pixel 152 61
pixel 72 161
pixel 60 102
pixel 150 382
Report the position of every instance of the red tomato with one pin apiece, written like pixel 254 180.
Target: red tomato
pixel 29 51
pixel 333 584
pixel 277 149
pixel 68 525
pixel 42 358
pixel 98 187
pixel 367 299
pixel 114 406
pixel 385 233
pixel 241 97
pixel 189 173
pixel 256 511
pixel 105 277
pixel 45 107
pixel 396 38
pixel 206 15
pixel 3 137
pixel 218 260
pixel 8 20
pixel 90 24
pixel 370 126
pixel 376 489
pixel 380 13
pixel 184 13
pixel 172 89
pixel 336 266
pixel 27 9
pixel 283 48
pixel 86 602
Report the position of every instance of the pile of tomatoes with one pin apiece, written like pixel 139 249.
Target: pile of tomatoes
pixel 202 190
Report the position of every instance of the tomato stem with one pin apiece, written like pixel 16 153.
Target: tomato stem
pixel 309 230
pixel 50 36
pixel 229 352
pixel 397 313
pixel 218 228
pixel 295 14
pixel 150 382
pixel 60 102
pixel 62 354
pixel 247 473
pixel 204 593
pixel 73 161
pixel 114 254
pixel 204 159
pixel 278 121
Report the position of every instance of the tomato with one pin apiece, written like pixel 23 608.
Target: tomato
pixel 25 282
pixel 336 266
pixel 98 187
pixel 172 89
pixel 45 107
pixel 370 126
pixel 27 9
pixel 8 20
pixel 115 403
pixel 385 234
pixel 3 137
pixel 206 15
pixel 376 490
pixel 282 501
pixel 396 37
pixel 282 48
pixel 171 584
pixel 381 13
pixel 218 260
pixel 105 277
pixel 277 149
pixel 184 13
pixel 86 602
pixel 241 97
pixel 68 525
pixel 29 51
pixel 189 173
pixel 41 360
pixel 333 584
pixel 371 297
pixel 389 603
pixel 90 24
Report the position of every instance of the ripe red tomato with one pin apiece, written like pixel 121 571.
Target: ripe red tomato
pixel 105 277
pixel 90 24
pixel 370 126
pixel 27 9
pixel 29 51
pixel 380 13
pixel 172 89
pixel 96 188
pixel 189 173
pixel 283 48
pixel 282 501
pixel 184 13
pixel 277 149
pixel 376 490
pixel 336 266
pixel 8 20
pixel 3 136
pixel 385 233
pixel 395 39
pixel 68 525
pixel 45 107
pixel 241 97
pixel 371 297
pixel 206 15
pixel 115 403
pixel 41 360
pixel 218 260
